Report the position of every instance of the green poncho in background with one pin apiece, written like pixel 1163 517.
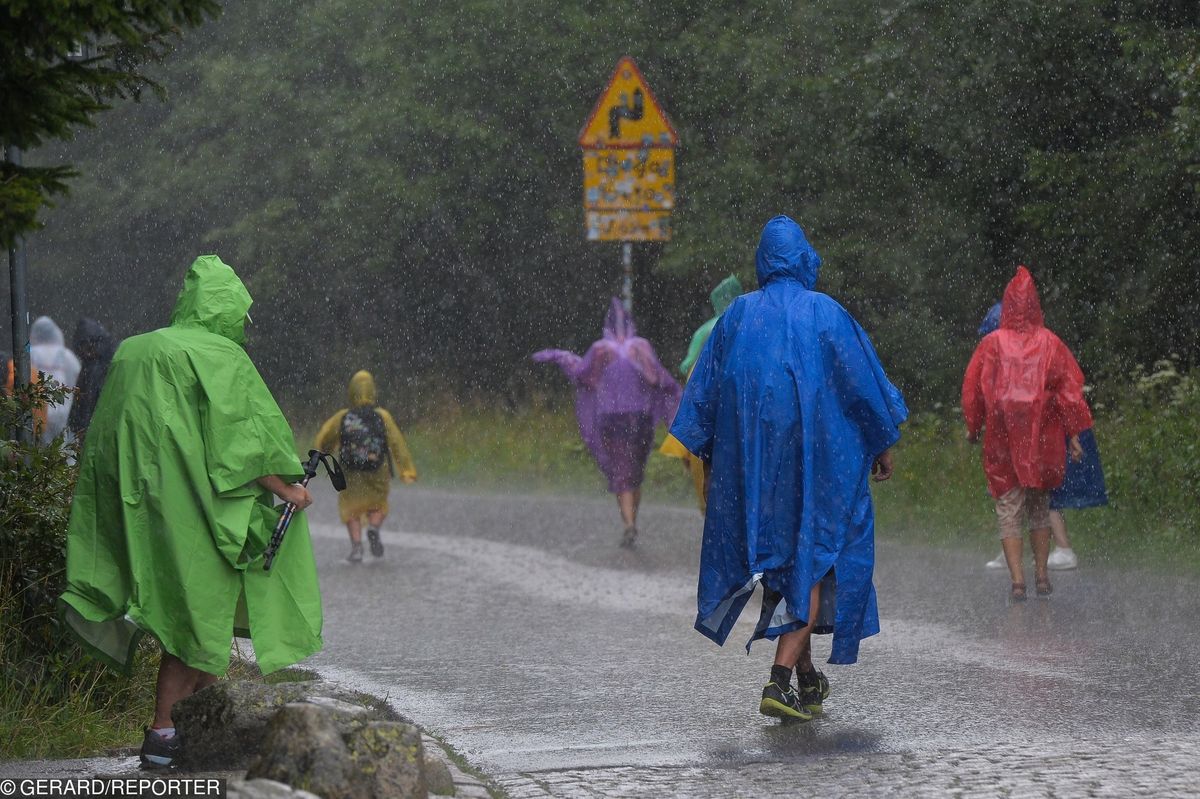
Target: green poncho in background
pixel 726 292
pixel 168 524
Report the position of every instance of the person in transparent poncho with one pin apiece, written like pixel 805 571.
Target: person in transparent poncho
pixel 49 354
pixel 622 393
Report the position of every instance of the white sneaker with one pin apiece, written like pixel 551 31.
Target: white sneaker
pixel 1062 559
pixel 998 562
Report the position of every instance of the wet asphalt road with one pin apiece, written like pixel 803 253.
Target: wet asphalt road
pixel 514 628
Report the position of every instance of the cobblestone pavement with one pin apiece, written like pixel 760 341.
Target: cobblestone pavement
pixel 1063 771
pixel 514 629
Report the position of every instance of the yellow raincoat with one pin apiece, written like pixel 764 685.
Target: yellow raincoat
pixel 673 449
pixel 367 491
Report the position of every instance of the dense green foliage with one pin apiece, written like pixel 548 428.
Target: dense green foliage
pixel 62 63
pixel 400 184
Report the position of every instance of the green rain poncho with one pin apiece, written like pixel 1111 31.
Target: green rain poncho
pixel 726 292
pixel 168 524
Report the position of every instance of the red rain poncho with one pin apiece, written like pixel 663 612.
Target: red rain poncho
pixel 1025 389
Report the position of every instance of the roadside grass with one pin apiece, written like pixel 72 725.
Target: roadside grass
pixel 535 450
pixel 530 450
pixel 1150 449
pixel 77 708
pixel 939 493
pixel 80 708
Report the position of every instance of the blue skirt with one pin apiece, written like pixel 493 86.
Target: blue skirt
pixel 1083 484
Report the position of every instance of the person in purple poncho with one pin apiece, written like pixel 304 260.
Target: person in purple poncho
pixel 622 392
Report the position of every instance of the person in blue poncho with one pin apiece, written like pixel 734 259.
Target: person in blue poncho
pixel 790 409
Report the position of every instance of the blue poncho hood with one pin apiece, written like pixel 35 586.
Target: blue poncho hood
pixel 785 254
pixel 791 406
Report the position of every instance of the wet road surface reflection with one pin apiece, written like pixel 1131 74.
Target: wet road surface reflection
pixel 515 628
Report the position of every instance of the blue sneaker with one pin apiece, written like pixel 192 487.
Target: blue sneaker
pixel 159 751
pixel 813 687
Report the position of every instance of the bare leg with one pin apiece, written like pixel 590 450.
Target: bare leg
pixel 354 527
pixel 375 518
pixel 1039 540
pixel 176 680
pixel 203 681
pixel 795 648
pixel 1012 555
pixel 637 504
pixel 627 502
pixel 1058 529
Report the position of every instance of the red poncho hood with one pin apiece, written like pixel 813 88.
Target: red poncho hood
pixel 1024 388
pixel 1021 310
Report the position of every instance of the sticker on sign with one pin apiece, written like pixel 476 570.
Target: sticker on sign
pixel 628 225
pixel 633 180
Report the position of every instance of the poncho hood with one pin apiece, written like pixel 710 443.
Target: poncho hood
pixel 722 297
pixel 618 323
pixel 785 254
pixel 1021 310
pixel 213 298
pixel 362 389
pixel 725 293
pixel 92 340
pixel 991 321
pixel 43 331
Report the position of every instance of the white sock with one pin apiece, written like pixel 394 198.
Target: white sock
pixel 164 732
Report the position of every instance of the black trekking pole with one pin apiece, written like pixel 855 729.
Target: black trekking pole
pixel 315 459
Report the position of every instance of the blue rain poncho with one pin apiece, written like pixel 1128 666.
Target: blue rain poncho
pixel 791 406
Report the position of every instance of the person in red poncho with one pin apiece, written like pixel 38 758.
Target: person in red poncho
pixel 1024 389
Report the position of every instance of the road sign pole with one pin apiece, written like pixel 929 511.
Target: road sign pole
pixel 20 313
pixel 627 270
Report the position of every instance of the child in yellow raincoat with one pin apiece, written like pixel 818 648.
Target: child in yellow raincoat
pixel 371 448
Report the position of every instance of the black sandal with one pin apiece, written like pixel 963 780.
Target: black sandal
pixel 1044 588
pixel 1018 592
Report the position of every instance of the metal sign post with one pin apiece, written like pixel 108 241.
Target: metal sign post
pixel 627 271
pixel 17 306
pixel 628 168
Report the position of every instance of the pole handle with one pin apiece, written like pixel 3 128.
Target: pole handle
pixel 336 476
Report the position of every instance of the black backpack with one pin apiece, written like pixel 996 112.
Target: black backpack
pixel 364 440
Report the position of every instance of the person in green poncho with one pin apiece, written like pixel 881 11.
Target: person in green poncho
pixel 722 296
pixel 174 507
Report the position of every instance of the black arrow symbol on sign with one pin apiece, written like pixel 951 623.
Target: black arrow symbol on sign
pixel 625 110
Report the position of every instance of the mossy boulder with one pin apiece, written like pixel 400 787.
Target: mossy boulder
pixel 309 747
pixel 223 726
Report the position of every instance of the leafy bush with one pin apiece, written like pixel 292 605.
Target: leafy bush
pixel 53 699
pixel 1153 455
pixel 35 500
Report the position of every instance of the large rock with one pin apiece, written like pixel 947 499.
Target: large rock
pixel 438 778
pixel 310 747
pixel 223 726
pixel 391 757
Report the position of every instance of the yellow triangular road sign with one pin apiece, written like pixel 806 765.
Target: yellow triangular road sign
pixel 627 115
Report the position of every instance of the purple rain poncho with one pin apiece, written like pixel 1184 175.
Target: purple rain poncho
pixel 622 392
